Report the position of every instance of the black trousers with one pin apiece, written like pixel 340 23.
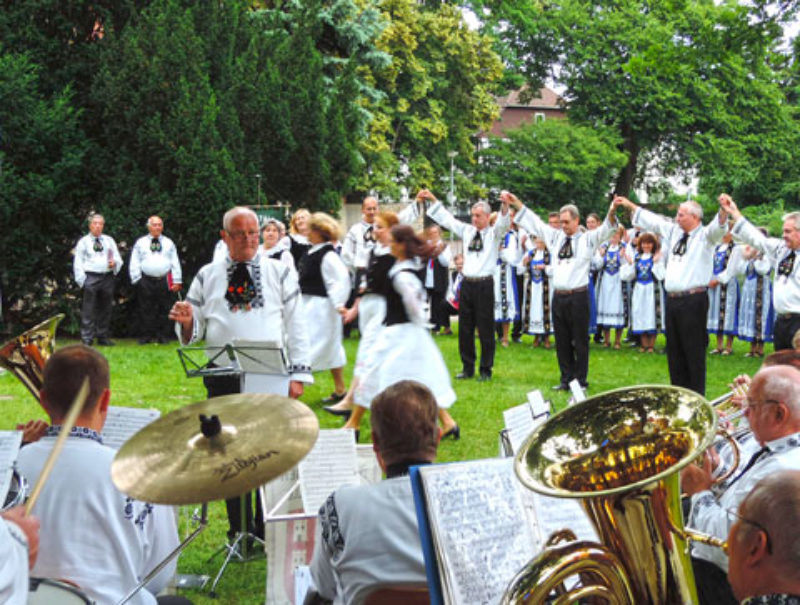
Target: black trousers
pixel 784 330
pixel 155 300
pixel 476 310
pixel 98 295
pixel 687 340
pixel 571 329
pixel 439 316
pixel 519 277
pixel 217 386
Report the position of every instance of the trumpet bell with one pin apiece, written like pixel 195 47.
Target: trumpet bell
pixel 25 355
pixel 620 453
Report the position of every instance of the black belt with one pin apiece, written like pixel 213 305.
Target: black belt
pixel 690 292
pixel 787 315
pixel 477 279
pixel 150 277
pixel 97 273
pixel 573 291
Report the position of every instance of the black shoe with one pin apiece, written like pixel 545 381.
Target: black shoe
pixel 454 432
pixel 561 387
pixel 105 342
pixel 484 377
pixel 338 412
pixel 585 386
pixel 144 341
pixel 162 340
pixel 334 398
pixel 87 342
pixel 464 375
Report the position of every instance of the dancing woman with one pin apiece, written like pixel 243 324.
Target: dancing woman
pixel 404 348
pixel 274 246
pixel 299 230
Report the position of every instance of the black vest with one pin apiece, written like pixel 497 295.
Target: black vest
pixel 378 273
pixel 297 250
pixel 395 310
pixel 310 271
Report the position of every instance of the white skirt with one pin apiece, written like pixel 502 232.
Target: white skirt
pixel 371 311
pixel 325 333
pixel 405 352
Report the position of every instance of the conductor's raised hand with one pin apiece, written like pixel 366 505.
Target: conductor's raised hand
pixel 509 199
pixel 424 194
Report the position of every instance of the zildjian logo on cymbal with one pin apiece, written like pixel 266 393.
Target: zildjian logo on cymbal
pixel 237 465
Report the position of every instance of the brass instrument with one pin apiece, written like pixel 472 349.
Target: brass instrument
pixel 25 355
pixel 620 453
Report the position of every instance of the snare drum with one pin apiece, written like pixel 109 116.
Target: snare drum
pixel 42 591
pixel 17 492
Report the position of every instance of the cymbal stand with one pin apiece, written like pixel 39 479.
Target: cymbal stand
pixel 203 520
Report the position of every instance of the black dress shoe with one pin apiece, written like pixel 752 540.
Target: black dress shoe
pixel 87 342
pixel 105 342
pixel 484 377
pixel 338 412
pixel 561 387
pixel 162 340
pixel 454 432
pixel 464 375
pixel 334 398
pixel 144 341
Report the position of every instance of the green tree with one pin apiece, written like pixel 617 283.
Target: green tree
pixel 41 211
pixel 675 79
pixel 553 163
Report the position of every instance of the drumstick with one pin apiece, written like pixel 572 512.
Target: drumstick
pixel 66 427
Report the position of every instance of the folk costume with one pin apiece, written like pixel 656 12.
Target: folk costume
pixel 538 294
pixel 611 296
pixel 506 296
pixel 404 349
pixel 756 312
pixel 647 298
pixel 154 268
pixel 723 301
pixel 91 271
pixel 280 252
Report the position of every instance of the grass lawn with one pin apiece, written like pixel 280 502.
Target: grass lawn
pixel 151 376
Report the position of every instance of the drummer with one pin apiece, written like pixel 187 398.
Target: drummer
pixel 94 536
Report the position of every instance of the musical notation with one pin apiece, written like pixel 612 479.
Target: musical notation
pixel 331 464
pixel 123 423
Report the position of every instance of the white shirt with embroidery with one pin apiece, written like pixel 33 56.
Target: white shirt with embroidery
pixel 89 260
pixel 146 261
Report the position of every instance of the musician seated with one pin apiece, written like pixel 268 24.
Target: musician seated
pixel 19 544
pixel 764 542
pixel 773 411
pixel 92 535
pixel 367 535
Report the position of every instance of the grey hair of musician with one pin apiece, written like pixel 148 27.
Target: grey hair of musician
pixel 794 217
pixel 95 215
pixel 403 418
pixel 227 219
pixel 781 383
pixel 693 208
pixel 774 503
pixel 572 209
pixel 482 206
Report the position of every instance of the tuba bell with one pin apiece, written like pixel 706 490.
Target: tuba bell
pixel 25 355
pixel 620 453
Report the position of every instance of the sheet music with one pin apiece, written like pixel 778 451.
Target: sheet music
pixel 577 392
pixel 479 528
pixel 519 424
pixel 554 514
pixel 369 471
pixel 538 404
pixel 10 442
pixel 332 463
pixel 122 423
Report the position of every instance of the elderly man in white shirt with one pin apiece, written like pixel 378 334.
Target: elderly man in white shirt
pixel 773 411
pixel 476 308
pixel 95 264
pixel 156 272
pixel 689 268
pixel 572 252
pixel 783 255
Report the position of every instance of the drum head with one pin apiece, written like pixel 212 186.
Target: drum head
pixel 42 591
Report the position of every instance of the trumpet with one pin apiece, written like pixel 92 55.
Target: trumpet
pixel 25 355
pixel 620 453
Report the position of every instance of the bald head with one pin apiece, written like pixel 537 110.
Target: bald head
pixel 369 209
pixel 773 403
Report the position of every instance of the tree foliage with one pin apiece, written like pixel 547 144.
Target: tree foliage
pixel 553 163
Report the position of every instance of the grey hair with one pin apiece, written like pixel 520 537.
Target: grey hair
pixel 782 383
pixel 794 217
pixel 774 503
pixel 152 217
pixel 231 214
pixel 694 208
pixel 95 215
pixel 273 221
pixel 482 206
pixel 572 209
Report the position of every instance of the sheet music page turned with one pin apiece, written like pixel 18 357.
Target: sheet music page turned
pixel 10 442
pixel 519 423
pixel 332 463
pixel 479 527
pixel 123 423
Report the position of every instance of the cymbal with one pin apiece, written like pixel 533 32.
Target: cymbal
pixel 171 461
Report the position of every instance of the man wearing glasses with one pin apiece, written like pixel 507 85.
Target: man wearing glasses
pixel 773 411
pixel 763 542
pixel 248 296
pixel 783 254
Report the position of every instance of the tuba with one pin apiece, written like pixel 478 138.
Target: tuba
pixel 620 453
pixel 25 355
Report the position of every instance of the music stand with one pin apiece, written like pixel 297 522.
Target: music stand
pixel 262 368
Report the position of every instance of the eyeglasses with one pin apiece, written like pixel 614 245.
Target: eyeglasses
pixel 733 516
pixel 752 404
pixel 243 234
